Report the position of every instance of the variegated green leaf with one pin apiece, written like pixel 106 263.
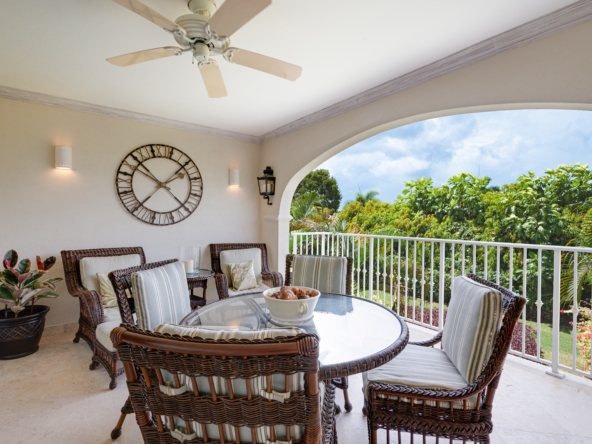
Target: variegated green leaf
pixel 6 294
pixel 9 277
pixel 49 262
pixel 48 294
pixel 24 266
pixel 10 259
pixel 31 280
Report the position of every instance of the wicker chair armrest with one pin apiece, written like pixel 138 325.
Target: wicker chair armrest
pixel 272 279
pixel 430 342
pixel 92 306
pixel 222 285
pixel 375 389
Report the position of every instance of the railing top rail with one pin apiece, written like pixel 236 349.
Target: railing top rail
pixel 455 241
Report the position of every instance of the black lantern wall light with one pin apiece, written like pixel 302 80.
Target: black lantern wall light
pixel 267 184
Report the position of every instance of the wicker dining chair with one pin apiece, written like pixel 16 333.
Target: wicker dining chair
pixel 315 272
pixel 463 411
pixel 197 390
pixel 122 285
pixel 92 313
pixel 267 278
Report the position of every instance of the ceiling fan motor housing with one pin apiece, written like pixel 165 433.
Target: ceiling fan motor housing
pixel 194 26
pixel 205 8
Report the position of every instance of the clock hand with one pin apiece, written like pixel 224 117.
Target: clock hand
pixel 176 172
pixel 181 203
pixel 177 176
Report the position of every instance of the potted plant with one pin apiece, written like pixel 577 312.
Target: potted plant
pixel 22 322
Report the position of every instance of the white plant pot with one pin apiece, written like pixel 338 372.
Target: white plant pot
pixel 291 311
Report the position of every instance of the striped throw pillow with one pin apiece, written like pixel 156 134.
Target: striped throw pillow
pixel 473 320
pixel 160 295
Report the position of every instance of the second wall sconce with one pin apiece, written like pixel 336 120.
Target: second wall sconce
pixel 267 184
pixel 63 157
pixel 234 177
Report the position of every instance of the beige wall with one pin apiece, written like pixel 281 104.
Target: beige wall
pixel 555 72
pixel 44 210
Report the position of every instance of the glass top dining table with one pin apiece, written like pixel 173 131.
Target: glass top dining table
pixel 355 335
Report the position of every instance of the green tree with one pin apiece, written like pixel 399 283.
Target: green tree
pixel 325 185
pixel 364 198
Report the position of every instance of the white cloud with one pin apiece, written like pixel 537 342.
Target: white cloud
pixel 501 145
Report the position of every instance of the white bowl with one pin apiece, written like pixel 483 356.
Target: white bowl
pixel 291 311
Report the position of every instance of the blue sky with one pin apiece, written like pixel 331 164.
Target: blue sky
pixel 501 145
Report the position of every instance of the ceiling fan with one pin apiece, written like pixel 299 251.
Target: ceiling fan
pixel 205 33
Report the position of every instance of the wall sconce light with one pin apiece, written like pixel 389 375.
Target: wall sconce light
pixel 233 177
pixel 63 157
pixel 267 184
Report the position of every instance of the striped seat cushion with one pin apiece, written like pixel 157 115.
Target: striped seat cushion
pixel 473 320
pixel 424 368
pixel 160 295
pixel 326 274
pixel 239 386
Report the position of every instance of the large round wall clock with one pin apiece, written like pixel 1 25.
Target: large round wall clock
pixel 159 184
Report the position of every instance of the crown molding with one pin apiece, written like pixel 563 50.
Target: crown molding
pixel 536 29
pixel 7 92
pixel 544 26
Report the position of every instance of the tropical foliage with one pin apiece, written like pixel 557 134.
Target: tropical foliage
pixel 20 286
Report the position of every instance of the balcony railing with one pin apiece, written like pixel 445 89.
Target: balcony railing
pixel 413 275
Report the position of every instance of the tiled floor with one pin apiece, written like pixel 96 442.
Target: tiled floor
pixel 52 397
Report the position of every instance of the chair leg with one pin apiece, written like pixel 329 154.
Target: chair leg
pixel 93 364
pixel 125 410
pixel 113 375
pixel 347 404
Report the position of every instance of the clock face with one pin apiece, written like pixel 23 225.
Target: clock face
pixel 159 184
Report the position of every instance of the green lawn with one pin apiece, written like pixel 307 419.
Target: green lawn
pixel 565 344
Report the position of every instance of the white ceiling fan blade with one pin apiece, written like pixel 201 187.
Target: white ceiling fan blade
pixel 263 63
pixel 144 56
pixel 233 14
pixel 148 13
pixel 212 77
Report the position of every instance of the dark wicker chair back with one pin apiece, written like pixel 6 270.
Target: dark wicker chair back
pixel 348 279
pixel 270 278
pixel 146 356
pixel 91 305
pixel 121 282
pixel 420 411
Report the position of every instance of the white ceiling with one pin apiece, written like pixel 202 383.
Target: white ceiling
pixel 59 47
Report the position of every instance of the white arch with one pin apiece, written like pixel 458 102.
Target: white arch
pixel 290 188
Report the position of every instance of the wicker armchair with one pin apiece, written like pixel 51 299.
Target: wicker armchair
pixel 270 278
pixel 91 306
pixel 464 413
pixel 122 284
pixel 341 383
pixel 186 388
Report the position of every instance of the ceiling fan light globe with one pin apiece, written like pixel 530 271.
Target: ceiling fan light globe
pixel 201 52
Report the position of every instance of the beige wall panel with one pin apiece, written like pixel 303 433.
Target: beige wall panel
pixel 45 210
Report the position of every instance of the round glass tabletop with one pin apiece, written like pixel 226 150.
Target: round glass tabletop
pixel 355 334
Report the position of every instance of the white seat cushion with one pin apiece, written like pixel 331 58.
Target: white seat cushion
pixel 239 386
pixel 420 367
pixel 259 289
pixel 90 266
pixel 160 295
pixel 111 314
pixel 103 333
pixel 473 319
pixel 239 256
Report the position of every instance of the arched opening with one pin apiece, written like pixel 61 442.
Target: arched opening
pixel 546 258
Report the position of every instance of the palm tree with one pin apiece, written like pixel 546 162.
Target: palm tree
pixel 584 269
pixel 365 198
